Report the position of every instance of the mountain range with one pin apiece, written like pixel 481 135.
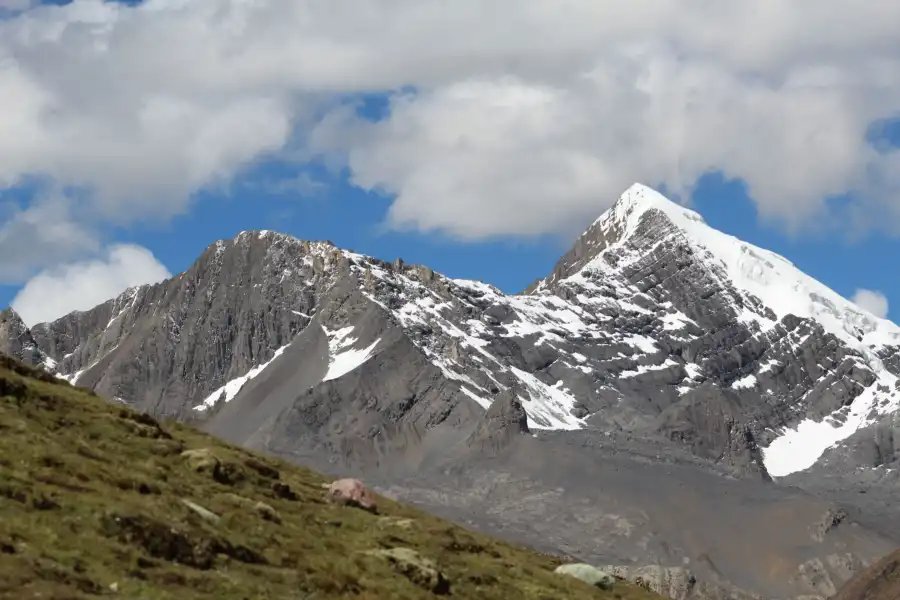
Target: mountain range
pixel 669 400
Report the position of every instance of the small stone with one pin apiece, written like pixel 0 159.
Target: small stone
pixel 396 522
pixel 235 500
pixel 205 514
pixel 200 460
pixel 203 460
pixel 267 512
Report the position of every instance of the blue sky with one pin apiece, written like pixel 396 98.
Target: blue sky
pixel 479 155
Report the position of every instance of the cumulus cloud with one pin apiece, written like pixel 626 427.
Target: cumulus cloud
pixel 14 5
pixel 873 301
pixel 82 285
pixel 41 235
pixel 531 130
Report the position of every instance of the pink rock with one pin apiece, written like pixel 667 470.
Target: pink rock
pixel 352 492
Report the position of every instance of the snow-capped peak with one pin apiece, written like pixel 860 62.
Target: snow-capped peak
pixel 771 278
pixel 636 201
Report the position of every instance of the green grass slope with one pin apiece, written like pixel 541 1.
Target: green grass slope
pixel 100 501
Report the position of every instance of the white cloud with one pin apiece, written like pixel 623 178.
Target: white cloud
pixel 82 285
pixel 531 130
pixel 873 301
pixel 302 185
pixel 15 5
pixel 41 235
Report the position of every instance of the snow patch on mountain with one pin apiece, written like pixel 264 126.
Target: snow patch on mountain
pixel 73 378
pixel 343 357
pixel 693 371
pixel 129 296
pixel 228 391
pixel 745 383
pixel 482 402
pixel 543 319
pixel 799 448
pixel 642 369
pixel 549 406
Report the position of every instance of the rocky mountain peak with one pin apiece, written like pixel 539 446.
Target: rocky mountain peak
pixel 638 203
pixel 10 318
pixel 638 209
pixel 760 285
pixel 16 340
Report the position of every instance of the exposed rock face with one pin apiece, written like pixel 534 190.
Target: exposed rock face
pixel 310 406
pixel 657 346
pixel 16 339
pixel 677 583
pixel 165 348
pixel 825 574
pixel 713 422
pixel 504 420
pixel 881 581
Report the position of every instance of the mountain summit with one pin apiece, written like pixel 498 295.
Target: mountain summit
pixel 716 280
pixel 661 367
pixel 643 218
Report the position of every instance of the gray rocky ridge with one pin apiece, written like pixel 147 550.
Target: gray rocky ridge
pixel 631 410
pixel 16 340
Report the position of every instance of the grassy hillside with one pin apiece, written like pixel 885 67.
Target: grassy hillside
pixel 100 501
